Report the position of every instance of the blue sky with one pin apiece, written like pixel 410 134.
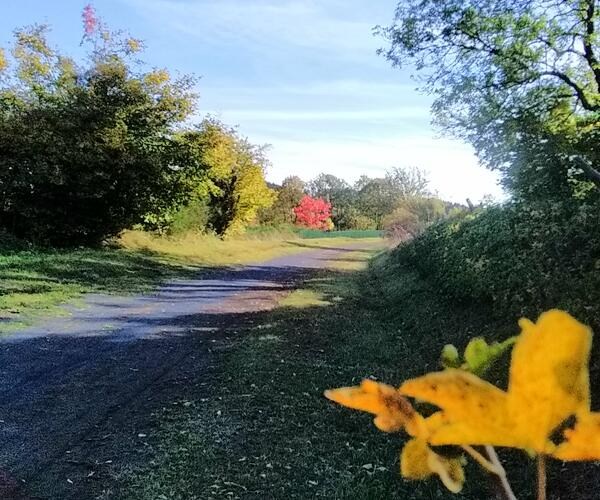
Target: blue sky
pixel 301 75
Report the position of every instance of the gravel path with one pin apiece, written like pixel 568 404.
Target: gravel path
pixel 77 392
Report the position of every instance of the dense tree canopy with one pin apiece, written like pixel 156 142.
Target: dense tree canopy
pixel 365 205
pixel 235 186
pixel 85 151
pixel 495 66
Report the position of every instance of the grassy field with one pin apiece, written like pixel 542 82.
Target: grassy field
pixel 34 281
pixel 291 230
pixel 354 233
pixel 262 429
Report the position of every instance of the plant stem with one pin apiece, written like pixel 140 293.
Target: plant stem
pixel 541 461
pixel 481 460
pixel 501 473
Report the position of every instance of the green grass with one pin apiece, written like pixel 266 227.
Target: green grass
pixel 33 282
pixel 302 298
pixel 262 429
pixel 287 230
pixel 351 233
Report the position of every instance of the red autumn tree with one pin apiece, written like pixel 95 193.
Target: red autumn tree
pixel 314 213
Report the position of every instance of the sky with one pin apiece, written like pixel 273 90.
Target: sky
pixel 300 75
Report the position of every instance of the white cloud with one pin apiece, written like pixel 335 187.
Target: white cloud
pixel 260 25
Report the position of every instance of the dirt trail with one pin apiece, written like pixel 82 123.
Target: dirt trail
pixel 77 392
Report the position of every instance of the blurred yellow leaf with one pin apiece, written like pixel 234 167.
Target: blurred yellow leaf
pixel 418 462
pixel 548 384
pixel 393 412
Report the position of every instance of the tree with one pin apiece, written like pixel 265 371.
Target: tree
pixel 379 197
pixel 313 213
pixel 85 151
pixel 328 187
pixel 491 62
pixel 407 182
pixel 376 199
pixel 237 189
pixel 337 192
pixel 289 195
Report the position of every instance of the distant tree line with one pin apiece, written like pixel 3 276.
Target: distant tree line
pixel 398 202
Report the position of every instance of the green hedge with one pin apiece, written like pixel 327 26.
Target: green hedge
pixel 521 259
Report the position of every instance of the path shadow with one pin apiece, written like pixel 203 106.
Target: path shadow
pixel 76 409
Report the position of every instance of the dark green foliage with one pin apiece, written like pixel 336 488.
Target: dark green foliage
pixel 521 258
pixel 85 152
pixel 191 217
pixel 88 151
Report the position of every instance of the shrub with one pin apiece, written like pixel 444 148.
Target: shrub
pixel 361 223
pixel 314 213
pixel 192 217
pixel 411 217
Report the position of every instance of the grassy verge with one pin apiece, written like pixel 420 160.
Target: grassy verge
pixel 33 282
pixel 261 428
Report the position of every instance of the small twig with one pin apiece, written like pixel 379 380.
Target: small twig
pixel 541 461
pixel 502 474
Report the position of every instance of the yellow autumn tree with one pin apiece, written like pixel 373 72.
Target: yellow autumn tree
pixel 236 185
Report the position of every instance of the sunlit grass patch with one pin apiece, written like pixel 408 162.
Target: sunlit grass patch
pixel 304 298
pixel 351 261
pixel 206 249
pixel 33 282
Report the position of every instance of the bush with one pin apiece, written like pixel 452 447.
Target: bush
pixel 191 217
pixel 521 258
pixel 361 223
pixel 85 152
pixel 411 217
